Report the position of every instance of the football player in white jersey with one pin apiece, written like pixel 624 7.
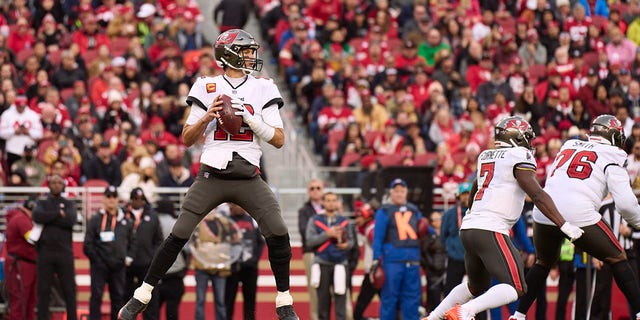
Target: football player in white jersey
pixel 229 165
pixel 505 175
pixel 581 175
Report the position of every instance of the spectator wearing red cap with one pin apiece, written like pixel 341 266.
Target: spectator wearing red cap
pixel 69 72
pixel 19 126
pixel 390 142
pixel 158 133
pixel 50 33
pixel 22 38
pixel 189 37
pixel 531 51
pixel 90 37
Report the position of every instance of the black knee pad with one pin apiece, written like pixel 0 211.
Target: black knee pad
pixel 279 249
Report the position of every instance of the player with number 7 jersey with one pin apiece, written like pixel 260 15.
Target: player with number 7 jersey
pixel 505 175
pixel 581 176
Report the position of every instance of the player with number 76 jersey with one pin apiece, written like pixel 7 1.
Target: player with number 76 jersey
pixel 582 175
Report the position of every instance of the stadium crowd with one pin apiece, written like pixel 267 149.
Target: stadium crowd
pixel 95 91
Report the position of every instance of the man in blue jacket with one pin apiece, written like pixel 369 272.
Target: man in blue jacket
pixel 396 247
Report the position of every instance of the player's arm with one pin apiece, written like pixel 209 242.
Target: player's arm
pixel 269 128
pixel 191 133
pixel 525 174
pixel 278 138
pixel 623 197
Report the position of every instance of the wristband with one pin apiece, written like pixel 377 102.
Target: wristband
pixel 263 130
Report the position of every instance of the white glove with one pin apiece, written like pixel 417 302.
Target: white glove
pixel 573 232
pixel 242 110
pixel 128 261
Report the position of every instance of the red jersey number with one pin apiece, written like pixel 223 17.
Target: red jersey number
pixel 580 163
pixel 486 174
pixel 245 133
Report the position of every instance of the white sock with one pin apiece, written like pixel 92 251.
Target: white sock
pixel 638 315
pixel 284 299
pixel 143 293
pixel 496 296
pixel 459 294
pixel 520 315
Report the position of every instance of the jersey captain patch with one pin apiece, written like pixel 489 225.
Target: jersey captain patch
pixel 211 87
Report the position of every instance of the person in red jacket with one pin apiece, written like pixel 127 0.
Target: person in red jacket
pixel 21 39
pixel 157 133
pixel 89 37
pixel 20 266
pixel 479 73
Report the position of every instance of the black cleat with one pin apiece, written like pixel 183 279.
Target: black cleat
pixel 131 310
pixel 287 313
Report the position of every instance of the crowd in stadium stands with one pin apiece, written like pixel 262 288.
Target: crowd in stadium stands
pixel 95 90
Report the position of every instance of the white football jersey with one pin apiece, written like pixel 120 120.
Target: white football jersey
pixel 262 99
pixel 577 180
pixel 498 203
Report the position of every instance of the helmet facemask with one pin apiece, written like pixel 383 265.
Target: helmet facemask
pixel 234 58
pixel 230 50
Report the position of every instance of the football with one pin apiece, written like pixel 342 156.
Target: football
pixel 229 121
pixel 377 277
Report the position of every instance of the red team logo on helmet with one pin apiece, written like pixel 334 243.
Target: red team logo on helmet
pixel 615 124
pixel 226 38
pixel 517 124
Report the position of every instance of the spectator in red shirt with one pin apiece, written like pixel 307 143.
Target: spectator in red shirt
pixel 89 37
pixel 420 89
pixel 479 73
pixel 162 48
pixel 321 10
pixel 158 133
pixel 577 25
pixel 390 142
pixel 22 38
pixel 408 59
pixel 443 126
pixel 336 116
pixel 499 109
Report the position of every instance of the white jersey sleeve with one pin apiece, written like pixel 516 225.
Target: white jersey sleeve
pixel 498 203
pixel 581 175
pixel 623 196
